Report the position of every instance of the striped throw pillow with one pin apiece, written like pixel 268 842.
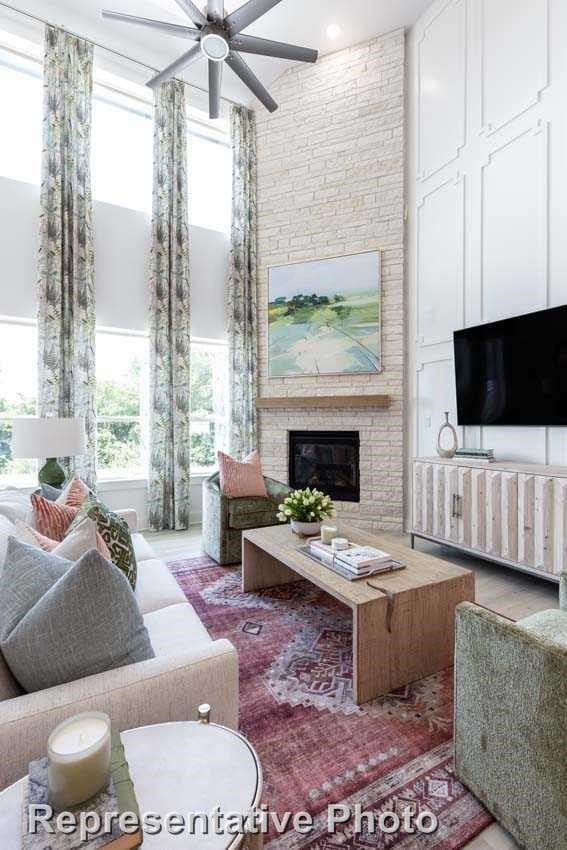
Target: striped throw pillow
pixel 50 519
pixel 74 494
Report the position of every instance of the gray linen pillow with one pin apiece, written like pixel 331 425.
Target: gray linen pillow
pixel 61 621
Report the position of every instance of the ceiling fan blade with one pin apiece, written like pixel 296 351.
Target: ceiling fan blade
pixel 266 47
pixel 179 65
pixel 215 81
pixel 193 12
pixel 247 14
pixel 162 26
pixel 215 11
pixel 249 78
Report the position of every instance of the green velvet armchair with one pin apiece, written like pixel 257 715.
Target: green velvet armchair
pixel 225 519
pixel 511 719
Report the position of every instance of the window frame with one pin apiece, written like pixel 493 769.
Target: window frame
pixel 142 421
pixel 9 420
pixel 213 418
pixel 29 61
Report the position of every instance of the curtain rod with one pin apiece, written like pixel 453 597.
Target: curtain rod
pixel 44 21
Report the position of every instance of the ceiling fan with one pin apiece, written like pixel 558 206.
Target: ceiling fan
pixel 220 39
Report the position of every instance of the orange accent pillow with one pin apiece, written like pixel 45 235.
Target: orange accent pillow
pixel 74 494
pixel 49 545
pixel 241 480
pixel 51 520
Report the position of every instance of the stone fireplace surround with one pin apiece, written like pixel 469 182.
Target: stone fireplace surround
pixel 330 183
pixel 381 458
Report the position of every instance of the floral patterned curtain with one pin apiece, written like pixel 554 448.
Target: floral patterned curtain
pixel 66 312
pixel 242 321
pixel 170 316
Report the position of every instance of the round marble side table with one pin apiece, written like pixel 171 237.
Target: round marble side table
pixel 184 768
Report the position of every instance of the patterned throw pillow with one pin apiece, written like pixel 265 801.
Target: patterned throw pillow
pixel 52 520
pixel 115 533
pixel 74 494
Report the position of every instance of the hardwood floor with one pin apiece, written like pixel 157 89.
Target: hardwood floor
pixel 511 593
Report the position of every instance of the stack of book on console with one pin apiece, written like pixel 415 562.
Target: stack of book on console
pixel 356 561
pixel 484 455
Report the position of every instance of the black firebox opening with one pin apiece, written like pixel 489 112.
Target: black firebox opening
pixel 327 460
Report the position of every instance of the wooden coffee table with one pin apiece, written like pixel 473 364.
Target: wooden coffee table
pixel 399 636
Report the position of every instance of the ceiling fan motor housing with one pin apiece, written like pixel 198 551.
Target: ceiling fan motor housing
pixel 214 42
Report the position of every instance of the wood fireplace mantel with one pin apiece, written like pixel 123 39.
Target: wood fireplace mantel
pixel 323 402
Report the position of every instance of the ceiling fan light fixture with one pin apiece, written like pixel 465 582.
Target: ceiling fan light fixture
pixel 215 46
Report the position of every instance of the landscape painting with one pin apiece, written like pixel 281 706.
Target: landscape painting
pixel 324 316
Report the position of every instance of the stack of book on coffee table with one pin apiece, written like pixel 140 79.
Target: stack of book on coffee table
pixel 355 562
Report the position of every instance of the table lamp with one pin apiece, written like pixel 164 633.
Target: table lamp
pixel 49 438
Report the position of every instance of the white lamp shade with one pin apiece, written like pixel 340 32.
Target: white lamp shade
pixel 51 437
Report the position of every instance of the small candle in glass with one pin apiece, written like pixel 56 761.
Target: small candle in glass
pixel 328 533
pixel 78 754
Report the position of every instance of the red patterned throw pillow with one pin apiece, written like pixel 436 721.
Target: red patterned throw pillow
pixel 241 480
pixel 52 520
pixel 74 494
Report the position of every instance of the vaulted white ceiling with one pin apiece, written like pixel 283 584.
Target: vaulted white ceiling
pixel 303 22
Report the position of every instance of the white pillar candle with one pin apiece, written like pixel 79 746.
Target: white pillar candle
pixel 78 753
pixel 328 533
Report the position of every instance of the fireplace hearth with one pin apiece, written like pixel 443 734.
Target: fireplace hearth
pixel 327 460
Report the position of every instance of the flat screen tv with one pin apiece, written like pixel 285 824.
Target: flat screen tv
pixel 514 372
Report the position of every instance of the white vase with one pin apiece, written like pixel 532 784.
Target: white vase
pixel 306 529
pixel 451 450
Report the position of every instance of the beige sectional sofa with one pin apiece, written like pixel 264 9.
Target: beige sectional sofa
pixel 189 668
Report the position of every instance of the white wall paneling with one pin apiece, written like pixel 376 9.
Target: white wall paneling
pixel 440 274
pixel 442 80
pixel 514 51
pixel 487 194
pixel 435 393
pixel 515 226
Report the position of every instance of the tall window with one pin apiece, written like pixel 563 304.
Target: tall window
pixel 122 139
pixel 18 395
pixel 122 173
pixel 122 404
pixel 122 147
pixel 209 386
pixel 21 107
pixel 210 179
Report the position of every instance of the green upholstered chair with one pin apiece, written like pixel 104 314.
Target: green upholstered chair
pixel 511 719
pixel 225 519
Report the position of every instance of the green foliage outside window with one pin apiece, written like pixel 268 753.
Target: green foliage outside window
pixel 119 443
pixel 22 406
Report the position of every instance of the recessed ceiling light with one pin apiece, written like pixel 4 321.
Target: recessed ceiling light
pixel 333 31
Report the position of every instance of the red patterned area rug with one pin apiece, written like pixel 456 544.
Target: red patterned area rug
pixel 316 746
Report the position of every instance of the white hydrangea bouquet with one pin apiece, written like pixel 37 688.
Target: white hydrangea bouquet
pixel 306 509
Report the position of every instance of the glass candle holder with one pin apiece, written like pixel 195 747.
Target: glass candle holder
pixel 78 753
pixel 328 533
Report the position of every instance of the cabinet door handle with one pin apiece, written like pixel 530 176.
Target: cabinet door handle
pixel 454 506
